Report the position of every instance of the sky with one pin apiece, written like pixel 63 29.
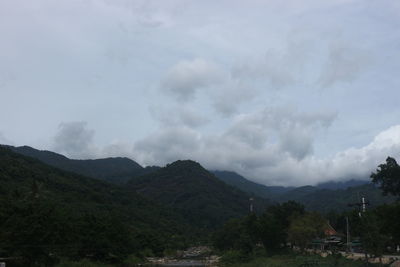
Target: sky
pixel 283 92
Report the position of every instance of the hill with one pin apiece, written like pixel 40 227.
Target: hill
pixel 198 195
pixel 47 213
pixel 325 200
pixel 116 170
pixel 322 197
pixel 238 181
pixel 342 184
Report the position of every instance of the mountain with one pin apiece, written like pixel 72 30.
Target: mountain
pixel 238 181
pixel 341 184
pixel 325 200
pixel 323 197
pixel 197 194
pixel 116 170
pixel 47 211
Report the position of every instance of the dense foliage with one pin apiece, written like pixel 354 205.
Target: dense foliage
pixel 387 176
pixel 116 170
pixel 321 198
pixel 202 199
pixel 375 232
pixel 46 214
pixel 271 229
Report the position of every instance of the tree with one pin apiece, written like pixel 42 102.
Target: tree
pixel 235 236
pixel 387 176
pixel 371 235
pixel 272 233
pixel 31 230
pixel 305 228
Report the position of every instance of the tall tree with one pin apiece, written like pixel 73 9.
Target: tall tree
pixel 305 228
pixel 387 176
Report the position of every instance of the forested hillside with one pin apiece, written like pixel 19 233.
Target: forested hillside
pixel 236 180
pixel 47 213
pixel 322 198
pixel 195 193
pixel 116 170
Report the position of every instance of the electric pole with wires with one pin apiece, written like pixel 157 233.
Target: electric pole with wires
pixel 362 208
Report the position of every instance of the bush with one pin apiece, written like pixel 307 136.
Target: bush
pixel 233 256
pixel 133 260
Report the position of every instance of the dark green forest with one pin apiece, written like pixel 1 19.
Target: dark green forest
pixel 192 191
pixel 47 214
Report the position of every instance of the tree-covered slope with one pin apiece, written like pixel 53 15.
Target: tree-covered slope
pixel 323 197
pixel 45 211
pixel 194 192
pixel 115 170
pixel 325 200
pixel 238 181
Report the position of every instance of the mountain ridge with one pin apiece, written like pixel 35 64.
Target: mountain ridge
pixel 320 198
pixel 113 169
pixel 313 197
pixel 189 188
pixel 66 209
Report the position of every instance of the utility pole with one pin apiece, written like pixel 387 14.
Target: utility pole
pixel 348 235
pixel 362 207
pixel 251 204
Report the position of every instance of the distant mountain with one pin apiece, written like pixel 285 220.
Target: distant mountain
pixel 322 197
pixel 342 184
pixel 116 170
pixel 198 195
pixel 325 200
pixel 238 181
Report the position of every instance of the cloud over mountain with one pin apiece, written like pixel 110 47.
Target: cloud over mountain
pixel 74 139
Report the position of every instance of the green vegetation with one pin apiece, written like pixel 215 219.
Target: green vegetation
pixel 305 228
pixel 47 214
pixel 202 199
pixel 271 229
pixel 114 170
pixel 52 217
pixel 314 198
pixel 122 170
pixel 387 176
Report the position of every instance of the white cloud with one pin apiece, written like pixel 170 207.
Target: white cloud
pixel 344 64
pixel 187 76
pixel 254 142
pixel 178 116
pixel 167 145
pixel 229 97
pixel 75 140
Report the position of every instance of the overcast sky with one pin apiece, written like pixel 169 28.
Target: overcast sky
pixel 283 92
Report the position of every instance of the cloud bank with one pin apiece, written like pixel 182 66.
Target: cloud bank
pixel 273 147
